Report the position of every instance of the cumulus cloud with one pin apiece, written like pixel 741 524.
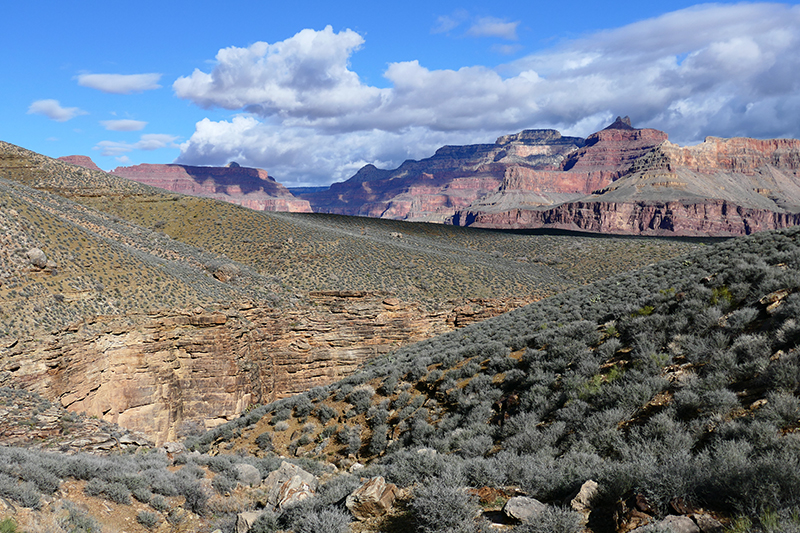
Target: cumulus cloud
pixel 52 109
pixel 147 142
pixel 120 83
pixel 493 27
pixel 123 125
pixel 712 69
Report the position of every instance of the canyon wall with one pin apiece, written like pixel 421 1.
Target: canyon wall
pixel 165 373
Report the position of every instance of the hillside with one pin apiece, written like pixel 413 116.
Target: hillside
pixel 669 395
pixel 165 313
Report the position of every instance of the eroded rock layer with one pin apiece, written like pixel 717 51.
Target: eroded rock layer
pixel 537 178
pixel 248 187
pixel 165 373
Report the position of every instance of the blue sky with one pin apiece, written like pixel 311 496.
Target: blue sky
pixel 314 91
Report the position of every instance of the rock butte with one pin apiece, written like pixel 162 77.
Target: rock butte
pixel 248 187
pixel 620 180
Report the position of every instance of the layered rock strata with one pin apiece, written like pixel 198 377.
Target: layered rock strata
pixel 248 187
pixel 721 187
pixel 454 178
pixel 618 180
pixel 166 373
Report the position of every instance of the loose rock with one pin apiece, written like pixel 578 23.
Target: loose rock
pixel 373 498
pixel 523 508
pixel 248 474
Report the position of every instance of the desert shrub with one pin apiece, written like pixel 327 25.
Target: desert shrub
pixel 325 413
pixel 378 441
pixel 118 493
pixel 552 520
pixel 401 400
pixel 264 442
pixel 443 505
pixel 159 503
pixel 266 523
pixel 78 521
pixel 361 398
pixel 332 520
pixel 343 391
pixel 283 425
pixel 223 484
pixel 196 497
pixel 389 384
pixel 303 407
pixel 782 409
pixel 281 414
pixel 147 519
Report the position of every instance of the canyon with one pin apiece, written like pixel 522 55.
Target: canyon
pixel 171 372
pixel 621 180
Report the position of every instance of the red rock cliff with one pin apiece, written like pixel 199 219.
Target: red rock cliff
pixel 249 187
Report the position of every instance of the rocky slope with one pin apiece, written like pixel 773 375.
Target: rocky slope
pixel 248 187
pixel 168 313
pixel 619 180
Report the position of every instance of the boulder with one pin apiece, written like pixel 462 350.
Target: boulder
pixel 523 508
pixel 274 482
pixel 248 475
pixel 294 491
pixel 708 524
pixel 245 521
pixel 582 501
pixel 373 498
pixel 676 524
pixel 37 257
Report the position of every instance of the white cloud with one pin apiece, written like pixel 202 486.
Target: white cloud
pixel 446 23
pixel 712 69
pixel 147 142
pixel 493 27
pixel 123 125
pixel 120 83
pixel 52 109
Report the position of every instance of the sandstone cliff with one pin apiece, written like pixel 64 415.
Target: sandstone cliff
pixel 720 187
pixel 636 173
pixel 170 372
pixel 454 178
pixel 80 160
pixel 248 187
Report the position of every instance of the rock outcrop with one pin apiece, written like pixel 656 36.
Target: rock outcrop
pixel 248 187
pixel 164 373
pixel 721 187
pixel 80 160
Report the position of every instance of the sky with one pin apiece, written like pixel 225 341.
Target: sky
pixel 311 91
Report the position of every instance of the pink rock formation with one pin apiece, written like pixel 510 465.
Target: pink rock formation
pixel 454 178
pixel 80 160
pixel 620 179
pixel 248 187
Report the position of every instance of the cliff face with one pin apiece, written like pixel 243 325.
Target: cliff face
pixel 637 182
pixel 248 187
pixel 620 167
pixel 716 217
pixel 454 178
pixel 164 373
pixel 80 160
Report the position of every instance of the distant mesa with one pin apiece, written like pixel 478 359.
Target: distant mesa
pixel 248 187
pixel 621 180
pixel 80 160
